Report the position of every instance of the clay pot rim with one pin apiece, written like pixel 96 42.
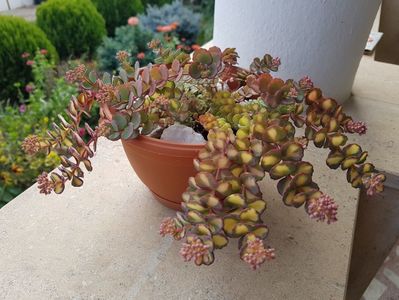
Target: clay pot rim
pixel 164 148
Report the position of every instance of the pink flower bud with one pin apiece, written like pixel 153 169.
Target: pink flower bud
pixel 29 88
pixel 306 83
pixel 22 108
pixel 356 127
pixel 276 62
pixel 133 21
pixel 141 55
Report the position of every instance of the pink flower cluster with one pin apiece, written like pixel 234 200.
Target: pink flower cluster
pixel 322 208
pixel 168 226
pixel 293 93
pixel 45 185
pixel 306 83
pixel 194 249
pixel 76 74
pixel 374 183
pixel 31 144
pixel 122 55
pixel 106 93
pixel 256 254
pixel 276 62
pixel 356 127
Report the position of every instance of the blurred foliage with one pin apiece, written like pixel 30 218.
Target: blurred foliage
pixel 206 8
pixel 49 96
pixel 188 21
pixel 16 37
pixel 117 12
pixel 155 2
pixel 134 40
pixel 75 26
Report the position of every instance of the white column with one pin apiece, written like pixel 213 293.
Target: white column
pixel 323 39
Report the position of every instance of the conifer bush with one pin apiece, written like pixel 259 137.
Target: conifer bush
pixel 132 39
pixel 188 22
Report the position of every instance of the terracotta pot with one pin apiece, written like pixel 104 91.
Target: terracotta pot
pixel 163 166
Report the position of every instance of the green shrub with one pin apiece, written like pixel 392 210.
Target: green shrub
pixel 17 36
pixel 188 21
pixel 74 26
pixel 117 12
pixel 207 8
pixel 49 97
pixel 132 39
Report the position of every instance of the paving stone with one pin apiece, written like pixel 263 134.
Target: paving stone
pixel 26 12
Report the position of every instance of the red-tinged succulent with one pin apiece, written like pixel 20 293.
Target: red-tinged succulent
pixel 251 120
pixel 206 63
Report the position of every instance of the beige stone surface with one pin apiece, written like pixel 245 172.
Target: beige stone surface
pixel 101 241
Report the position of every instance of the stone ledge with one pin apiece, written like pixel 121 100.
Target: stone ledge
pixel 101 241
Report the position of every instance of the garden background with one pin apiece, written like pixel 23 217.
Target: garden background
pixel 34 57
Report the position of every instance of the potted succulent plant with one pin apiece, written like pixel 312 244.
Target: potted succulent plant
pixel 249 120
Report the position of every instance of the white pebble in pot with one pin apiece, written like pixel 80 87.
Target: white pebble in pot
pixel 182 134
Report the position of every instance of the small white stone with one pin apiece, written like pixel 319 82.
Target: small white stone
pixel 182 134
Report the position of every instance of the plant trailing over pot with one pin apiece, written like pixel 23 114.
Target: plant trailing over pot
pixel 250 118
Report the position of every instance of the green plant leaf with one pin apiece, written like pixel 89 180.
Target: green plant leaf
pixel 93 76
pixel 136 120
pixel 106 78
